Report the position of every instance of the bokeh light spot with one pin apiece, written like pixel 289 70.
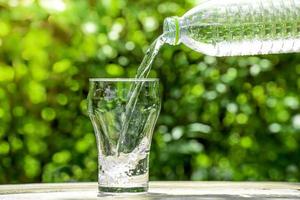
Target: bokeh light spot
pixel 61 66
pixel 198 90
pixel 62 99
pixel 53 5
pixel 89 27
pixel 275 128
pixel 246 142
pixel 114 70
pixel 62 157
pixel 4 148
pixel 48 114
pixel 242 118
pixel 32 166
pixel 7 74
pixel 296 122
pixel 36 92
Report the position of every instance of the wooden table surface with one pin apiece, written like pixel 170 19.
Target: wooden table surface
pixel 157 191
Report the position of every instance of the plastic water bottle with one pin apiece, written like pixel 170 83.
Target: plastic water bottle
pixel 238 27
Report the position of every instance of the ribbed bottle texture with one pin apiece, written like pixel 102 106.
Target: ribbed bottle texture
pixel 245 27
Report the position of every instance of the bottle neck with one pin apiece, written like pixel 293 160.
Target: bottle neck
pixel 171 32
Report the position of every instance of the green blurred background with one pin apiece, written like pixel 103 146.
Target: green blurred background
pixel 234 118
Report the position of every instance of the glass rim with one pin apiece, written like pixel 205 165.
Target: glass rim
pixel 123 79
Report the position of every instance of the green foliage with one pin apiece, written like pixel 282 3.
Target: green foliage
pixel 232 118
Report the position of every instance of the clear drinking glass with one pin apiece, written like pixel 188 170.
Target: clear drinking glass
pixel 123 113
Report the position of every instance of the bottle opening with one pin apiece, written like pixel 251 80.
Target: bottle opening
pixel 172 30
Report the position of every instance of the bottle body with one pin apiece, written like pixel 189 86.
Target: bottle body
pixel 245 27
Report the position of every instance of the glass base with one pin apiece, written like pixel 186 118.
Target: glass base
pixel 116 190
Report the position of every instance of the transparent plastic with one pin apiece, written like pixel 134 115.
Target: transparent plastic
pixel 238 27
